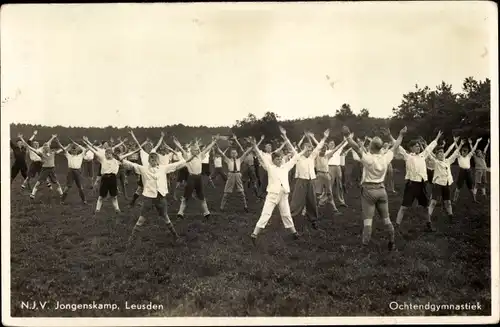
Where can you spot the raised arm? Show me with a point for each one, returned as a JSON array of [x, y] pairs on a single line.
[[30, 140], [428, 149], [456, 153], [262, 161], [208, 147], [62, 148], [339, 147], [119, 144], [311, 138], [397, 142], [78, 145], [301, 141], [473, 150], [126, 155], [245, 153], [162, 135], [20, 136], [354, 146], [450, 148], [486, 147], [282, 146], [223, 154], [131, 132], [90, 146], [237, 143], [49, 142], [179, 146], [287, 141], [321, 144]]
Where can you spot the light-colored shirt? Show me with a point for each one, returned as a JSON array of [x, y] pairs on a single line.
[[278, 176], [442, 171], [342, 160], [89, 155], [230, 164], [34, 157], [74, 161], [464, 162], [355, 156], [266, 156], [335, 159], [218, 162], [154, 179], [480, 163], [164, 159], [144, 157], [416, 169], [205, 159], [375, 166], [108, 166], [304, 168], [48, 160], [321, 164], [194, 166]]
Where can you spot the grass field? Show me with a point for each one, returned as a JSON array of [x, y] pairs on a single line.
[[62, 253]]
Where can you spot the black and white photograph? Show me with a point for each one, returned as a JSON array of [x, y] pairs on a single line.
[[271, 163]]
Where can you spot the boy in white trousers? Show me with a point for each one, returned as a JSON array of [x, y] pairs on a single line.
[[278, 188]]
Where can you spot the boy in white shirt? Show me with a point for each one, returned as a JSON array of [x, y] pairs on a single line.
[[75, 160], [234, 176], [373, 193], [194, 181], [443, 179], [155, 188], [109, 169], [464, 171], [278, 188], [416, 178], [335, 170], [48, 164], [481, 169], [218, 169], [144, 150], [304, 195]]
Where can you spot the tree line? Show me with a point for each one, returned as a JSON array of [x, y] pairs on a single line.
[[423, 110]]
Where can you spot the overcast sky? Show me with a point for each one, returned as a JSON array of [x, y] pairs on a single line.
[[211, 64]]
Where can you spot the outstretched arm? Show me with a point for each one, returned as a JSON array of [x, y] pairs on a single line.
[[223, 154], [131, 132], [20, 136], [454, 144], [473, 150], [319, 145], [486, 147], [397, 143], [162, 135]]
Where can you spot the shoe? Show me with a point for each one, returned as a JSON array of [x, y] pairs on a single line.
[[246, 209], [428, 227], [207, 215], [450, 218], [391, 246], [180, 215], [254, 239], [32, 196], [296, 236]]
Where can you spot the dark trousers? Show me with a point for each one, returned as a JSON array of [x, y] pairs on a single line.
[[74, 177], [304, 195], [19, 167]]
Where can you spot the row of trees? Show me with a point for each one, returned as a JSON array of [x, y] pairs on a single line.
[[423, 110]]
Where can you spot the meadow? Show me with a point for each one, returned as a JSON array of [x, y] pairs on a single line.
[[63, 253]]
